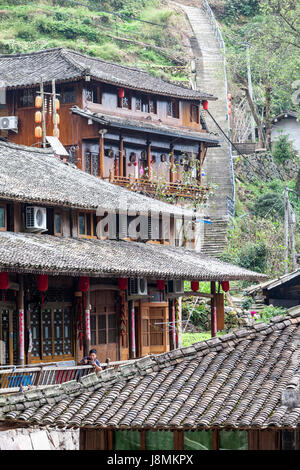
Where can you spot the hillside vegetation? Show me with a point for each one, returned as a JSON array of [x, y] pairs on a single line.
[[106, 29]]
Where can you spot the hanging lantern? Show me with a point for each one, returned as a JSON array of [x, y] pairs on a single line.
[[122, 283], [38, 117], [38, 132], [56, 134], [38, 101], [160, 284], [195, 286], [57, 104], [229, 112], [4, 282], [205, 105], [84, 283], [42, 285], [57, 119], [229, 96], [121, 92], [225, 286]]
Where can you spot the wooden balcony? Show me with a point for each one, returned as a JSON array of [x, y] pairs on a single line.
[[161, 189], [15, 378]]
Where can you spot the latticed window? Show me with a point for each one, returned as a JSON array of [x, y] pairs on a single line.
[[173, 108], [26, 98], [92, 163]]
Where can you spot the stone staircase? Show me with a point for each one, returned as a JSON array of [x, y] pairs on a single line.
[[211, 78]]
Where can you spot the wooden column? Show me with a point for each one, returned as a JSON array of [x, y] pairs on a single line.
[[101, 156], [149, 158], [132, 329], [21, 321], [201, 157], [121, 152], [213, 309], [172, 164]]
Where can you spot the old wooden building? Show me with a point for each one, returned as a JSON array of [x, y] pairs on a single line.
[[237, 392], [116, 122], [66, 286]]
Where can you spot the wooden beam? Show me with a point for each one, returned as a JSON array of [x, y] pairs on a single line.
[[101, 156], [21, 321], [213, 313], [121, 152], [172, 164], [149, 158], [197, 294]]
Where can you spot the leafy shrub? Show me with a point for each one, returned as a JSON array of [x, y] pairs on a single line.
[[269, 204], [246, 304], [270, 311], [283, 149], [253, 256]]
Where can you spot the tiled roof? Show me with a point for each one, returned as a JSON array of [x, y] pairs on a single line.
[[31, 253], [233, 381], [271, 284], [145, 125], [37, 176], [63, 64]]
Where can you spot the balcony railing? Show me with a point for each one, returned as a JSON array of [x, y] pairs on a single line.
[[156, 188], [16, 378]]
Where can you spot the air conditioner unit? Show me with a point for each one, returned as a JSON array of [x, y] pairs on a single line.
[[137, 287], [36, 219], [9, 123], [176, 286]]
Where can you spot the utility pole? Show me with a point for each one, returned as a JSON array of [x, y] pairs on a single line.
[[54, 109], [250, 90], [43, 112], [292, 221], [286, 230]]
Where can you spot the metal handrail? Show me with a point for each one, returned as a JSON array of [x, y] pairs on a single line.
[[219, 37]]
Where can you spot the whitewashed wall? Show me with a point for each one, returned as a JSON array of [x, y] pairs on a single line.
[[39, 439]]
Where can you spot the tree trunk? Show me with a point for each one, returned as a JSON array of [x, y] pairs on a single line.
[[268, 119]]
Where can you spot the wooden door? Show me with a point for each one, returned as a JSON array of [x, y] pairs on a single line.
[[104, 324], [52, 332], [154, 331]]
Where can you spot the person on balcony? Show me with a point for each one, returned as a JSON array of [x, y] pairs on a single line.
[[92, 360]]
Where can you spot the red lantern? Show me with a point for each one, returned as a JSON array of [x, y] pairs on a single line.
[[42, 281], [161, 285], [4, 281], [84, 283], [122, 283], [121, 92], [225, 286], [42, 284], [205, 105], [195, 286]]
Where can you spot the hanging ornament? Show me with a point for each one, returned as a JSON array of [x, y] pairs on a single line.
[[225, 286], [4, 283], [42, 285], [57, 104], [160, 284], [38, 132], [38, 101], [84, 283], [122, 283], [121, 92], [38, 117], [205, 105], [195, 286]]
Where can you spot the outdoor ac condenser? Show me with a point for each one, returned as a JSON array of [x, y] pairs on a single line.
[[176, 286], [36, 219], [137, 287], [9, 123]]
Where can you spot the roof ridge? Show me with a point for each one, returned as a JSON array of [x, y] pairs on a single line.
[[40, 51], [46, 151]]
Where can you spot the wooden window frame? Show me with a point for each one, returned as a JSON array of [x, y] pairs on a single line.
[[146, 99], [96, 90], [27, 91], [94, 220], [127, 95], [57, 234], [194, 110], [175, 109], [4, 206]]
